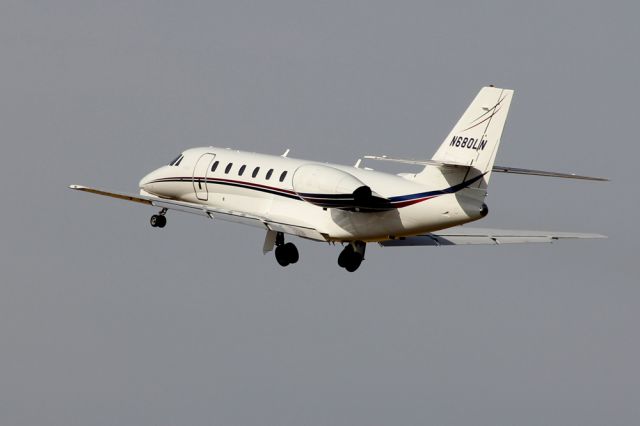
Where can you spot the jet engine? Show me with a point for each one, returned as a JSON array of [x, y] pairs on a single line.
[[329, 187]]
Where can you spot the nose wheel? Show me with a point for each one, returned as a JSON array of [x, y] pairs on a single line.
[[286, 253], [159, 220], [352, 256]]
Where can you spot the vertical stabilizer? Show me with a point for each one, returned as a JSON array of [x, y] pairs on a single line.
[[475, 139]]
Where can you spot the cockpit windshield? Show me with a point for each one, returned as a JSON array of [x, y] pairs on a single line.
[[176, 161]]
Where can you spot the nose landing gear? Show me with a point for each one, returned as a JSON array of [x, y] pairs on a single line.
[[286, 253], [352, 256], [159, 220]]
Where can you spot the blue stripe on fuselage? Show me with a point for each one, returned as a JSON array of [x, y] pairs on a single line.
[[450, 190]]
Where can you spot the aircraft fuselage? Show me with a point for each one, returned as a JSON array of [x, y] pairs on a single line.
[[263, 185]]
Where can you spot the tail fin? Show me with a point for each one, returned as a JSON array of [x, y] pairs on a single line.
[[475, 139]]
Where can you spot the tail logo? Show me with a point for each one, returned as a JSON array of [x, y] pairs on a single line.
[[469, 143], [490, 111]]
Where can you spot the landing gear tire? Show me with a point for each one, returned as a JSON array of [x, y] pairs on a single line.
[[354, 262], [345, 255], [287, 254], [281, 256], [352, 256], [158, 221], [292, 253]]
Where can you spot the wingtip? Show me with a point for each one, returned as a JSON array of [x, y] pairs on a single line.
[[76, 187], [594, 237]]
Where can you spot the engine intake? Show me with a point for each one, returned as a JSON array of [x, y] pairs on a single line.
[[329, 187]]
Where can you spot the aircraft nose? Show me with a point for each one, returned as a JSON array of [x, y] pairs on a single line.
[[145, 182], [150, 183]]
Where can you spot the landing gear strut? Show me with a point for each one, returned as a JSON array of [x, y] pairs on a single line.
[[159, 220], [352, 256], [286, 253]]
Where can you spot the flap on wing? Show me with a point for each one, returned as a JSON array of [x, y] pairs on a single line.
[[300, 231], [470, 236]]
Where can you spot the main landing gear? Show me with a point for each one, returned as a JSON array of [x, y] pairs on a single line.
[[159, 220], [286, 253], [352, 256]]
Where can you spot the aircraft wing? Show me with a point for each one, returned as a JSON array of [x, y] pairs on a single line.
[[210, 212], [464, 236]]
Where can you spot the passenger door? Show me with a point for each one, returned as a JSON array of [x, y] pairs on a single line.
[[200, 171]]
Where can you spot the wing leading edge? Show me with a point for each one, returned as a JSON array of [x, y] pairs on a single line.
[[210, 212], [474, 236]]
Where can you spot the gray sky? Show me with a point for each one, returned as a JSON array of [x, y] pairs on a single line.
[[105, 321]]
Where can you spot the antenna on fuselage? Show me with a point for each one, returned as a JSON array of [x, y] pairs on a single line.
[[286, 153]]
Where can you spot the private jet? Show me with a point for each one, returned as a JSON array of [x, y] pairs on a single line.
[[349, 205]]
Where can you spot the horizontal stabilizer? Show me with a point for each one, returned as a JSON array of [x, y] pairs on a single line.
[[496, 169], [517, 171], [413, 161], [474, 236]]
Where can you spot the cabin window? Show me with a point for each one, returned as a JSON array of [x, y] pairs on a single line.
[[269, 173], [283, 175], [215, 166], [228, 168], [255, 172], [241, 171]]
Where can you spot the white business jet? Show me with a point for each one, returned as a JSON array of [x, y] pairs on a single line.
[[349, 205]]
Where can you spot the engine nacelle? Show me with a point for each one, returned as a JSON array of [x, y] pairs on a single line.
[[329, 187]]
